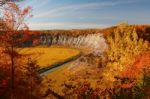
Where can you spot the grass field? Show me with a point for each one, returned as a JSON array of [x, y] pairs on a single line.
[[48, 56], [57, 78]]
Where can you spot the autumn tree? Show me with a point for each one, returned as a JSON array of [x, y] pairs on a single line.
[[2, 2], [124, 47], [19, 77]]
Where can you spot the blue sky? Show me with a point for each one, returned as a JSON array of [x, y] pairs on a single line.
[[79, 14]]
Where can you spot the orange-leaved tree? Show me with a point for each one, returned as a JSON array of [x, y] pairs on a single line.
[[19, 77]]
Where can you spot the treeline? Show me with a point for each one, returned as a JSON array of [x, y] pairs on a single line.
[[73, 32], [143, 31], [33, 37]]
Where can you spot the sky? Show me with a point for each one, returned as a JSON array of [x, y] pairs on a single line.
[[82, 14]]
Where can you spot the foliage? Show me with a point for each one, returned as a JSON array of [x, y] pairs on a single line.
[[18, 80], [124, 46], [123, 75], [125, 62], [2, 2]]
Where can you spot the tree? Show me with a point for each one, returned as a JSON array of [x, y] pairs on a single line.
[[124, 45], [13, 19], [23, 78], [2, 2], [123, 67]]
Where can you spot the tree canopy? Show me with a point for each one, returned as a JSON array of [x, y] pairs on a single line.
[[2, 2]]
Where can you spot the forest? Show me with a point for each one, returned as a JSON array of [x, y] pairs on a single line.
[[104, 63]]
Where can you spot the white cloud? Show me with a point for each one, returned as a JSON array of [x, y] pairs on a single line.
[[69, 8], [65, 10], [65, 25]]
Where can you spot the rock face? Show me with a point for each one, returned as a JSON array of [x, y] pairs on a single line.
[[95, 43]]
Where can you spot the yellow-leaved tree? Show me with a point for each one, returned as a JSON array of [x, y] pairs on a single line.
[[124, 46]]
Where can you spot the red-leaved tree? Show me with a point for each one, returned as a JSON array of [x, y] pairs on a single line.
[[18, 79]]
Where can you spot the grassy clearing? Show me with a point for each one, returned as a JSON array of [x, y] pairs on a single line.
[[48, 56]]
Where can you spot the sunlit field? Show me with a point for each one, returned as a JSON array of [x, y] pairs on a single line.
[[46, 57]]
